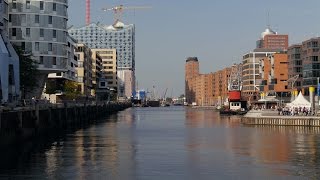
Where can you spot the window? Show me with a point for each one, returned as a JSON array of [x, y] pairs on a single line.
[[314, 58], [36, 18], [50, 47], [41, 33], [36, 46], [28, 32], [54, 7], [14, 5], [41, 5], [14, 31], [28, 3], [41, 60], [54, 33], [50, 19], [10, 17], [102, 84], [23, 45], [54, 61]]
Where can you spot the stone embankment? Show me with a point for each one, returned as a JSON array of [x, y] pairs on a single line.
[[26, 123], [272, 118]]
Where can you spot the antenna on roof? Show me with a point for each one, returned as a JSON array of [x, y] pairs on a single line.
[[268, 19]]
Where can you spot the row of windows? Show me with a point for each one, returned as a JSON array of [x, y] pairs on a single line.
[[14, 32], [98, 32], [28, 5], [36, 19], [53, 60]]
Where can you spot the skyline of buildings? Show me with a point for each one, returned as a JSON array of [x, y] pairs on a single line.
[[117, 36], [40, 27], [271, 69]]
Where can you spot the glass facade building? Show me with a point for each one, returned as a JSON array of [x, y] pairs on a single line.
[[118, 36], [311, 62]]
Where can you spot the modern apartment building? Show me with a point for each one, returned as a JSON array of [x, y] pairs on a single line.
[[109, 66], [311, 63], [96, 69], [59, 78], [252, 73], [295, 67], [117, 36], [9, 61], [274, 74], [272, 40], [40, 28], [70, 72], [84, 69]]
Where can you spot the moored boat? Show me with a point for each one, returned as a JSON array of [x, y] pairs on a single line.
[[153, 103]]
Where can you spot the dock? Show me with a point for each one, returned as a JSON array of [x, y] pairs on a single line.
[[273, 119]]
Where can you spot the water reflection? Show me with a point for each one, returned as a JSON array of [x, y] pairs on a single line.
[[175, 143]]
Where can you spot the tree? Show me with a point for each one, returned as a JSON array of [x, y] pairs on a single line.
[[51, 87], [28, 71], [70, 89]]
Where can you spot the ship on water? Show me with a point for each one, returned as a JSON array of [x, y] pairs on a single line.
[[236, 106]]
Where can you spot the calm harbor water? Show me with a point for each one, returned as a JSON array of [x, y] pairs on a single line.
[[173, 143]]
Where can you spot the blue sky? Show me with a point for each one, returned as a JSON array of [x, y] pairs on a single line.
[[217, 32]]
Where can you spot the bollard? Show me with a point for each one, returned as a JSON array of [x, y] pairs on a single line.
[[311, 90]]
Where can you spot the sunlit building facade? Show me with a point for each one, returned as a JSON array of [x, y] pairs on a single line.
[[205, 89], [84, 69], [272, 40]]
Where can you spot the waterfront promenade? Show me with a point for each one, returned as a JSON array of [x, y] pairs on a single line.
[[271, 117]]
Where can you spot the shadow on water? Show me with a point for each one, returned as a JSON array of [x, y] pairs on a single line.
[[21, 153]]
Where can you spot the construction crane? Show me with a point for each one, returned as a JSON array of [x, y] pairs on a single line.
[[88, 12], [118, 10], [293, 80]]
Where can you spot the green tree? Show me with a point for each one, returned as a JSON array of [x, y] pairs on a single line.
[[70, 89], [51, 87], [28, 71]]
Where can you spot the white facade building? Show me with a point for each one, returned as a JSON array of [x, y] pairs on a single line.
[[40, 27], [118, 36], [9, 61]]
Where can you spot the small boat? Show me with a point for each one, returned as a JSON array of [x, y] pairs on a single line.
[[165, 104]]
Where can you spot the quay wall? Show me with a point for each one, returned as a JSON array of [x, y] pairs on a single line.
[[308, 121], [24, 124]]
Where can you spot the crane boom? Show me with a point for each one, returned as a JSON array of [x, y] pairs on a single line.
[[293, 80], [118, 10]]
